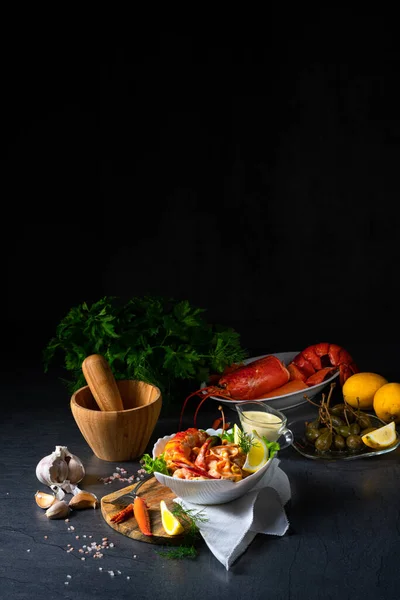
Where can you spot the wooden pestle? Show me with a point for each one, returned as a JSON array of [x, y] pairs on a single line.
[[102, 383]]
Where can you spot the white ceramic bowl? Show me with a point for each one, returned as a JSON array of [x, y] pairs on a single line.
[[202, 491], [286, 401]]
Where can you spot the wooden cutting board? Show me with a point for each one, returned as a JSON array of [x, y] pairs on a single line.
[[152, 492]]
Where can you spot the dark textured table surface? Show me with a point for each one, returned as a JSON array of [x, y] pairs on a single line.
[[343, 540]]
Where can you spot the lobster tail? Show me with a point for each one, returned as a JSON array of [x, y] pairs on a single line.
[[255, 379], [246, 382]]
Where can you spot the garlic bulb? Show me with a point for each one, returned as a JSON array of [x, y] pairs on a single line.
[[58, 510], [61, 471]]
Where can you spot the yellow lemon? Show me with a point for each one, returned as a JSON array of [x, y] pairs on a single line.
[[387, 402], [362, 387], [237, 432], [383, 437], [170, 523], [257, 456]]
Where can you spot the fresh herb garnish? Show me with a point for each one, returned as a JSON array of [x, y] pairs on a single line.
[[189, 519], [273, 447], [245, 439], [179, 552], [159, 340], [228, 436], [151, 465]]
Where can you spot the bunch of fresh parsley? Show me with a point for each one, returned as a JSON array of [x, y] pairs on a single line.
[[159, 340]]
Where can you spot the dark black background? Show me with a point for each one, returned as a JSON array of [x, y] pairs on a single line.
[[255, 176]]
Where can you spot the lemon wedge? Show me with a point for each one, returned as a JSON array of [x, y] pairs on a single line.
[[236, 434], [258, 454], [383, 437], [170, 523]]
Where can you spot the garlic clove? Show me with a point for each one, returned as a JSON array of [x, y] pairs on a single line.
[[44, 500], [58, 470], [83, 500], [76, 470], [58, 510]]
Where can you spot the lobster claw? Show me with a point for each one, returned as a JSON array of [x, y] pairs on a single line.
[[320, 376], [346, 371], [315, 363]]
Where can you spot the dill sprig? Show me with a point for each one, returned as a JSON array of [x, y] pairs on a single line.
[[190, 520], [246, 441], [190, 517], [179, 552]]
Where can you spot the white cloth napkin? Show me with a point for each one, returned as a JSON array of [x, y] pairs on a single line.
[[231, 527]]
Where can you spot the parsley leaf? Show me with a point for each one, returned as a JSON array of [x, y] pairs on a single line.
[[228, 436], [273, 447], [159, 340], [151, 465]]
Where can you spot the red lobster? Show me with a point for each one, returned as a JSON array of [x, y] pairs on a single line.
[[246, 382], [252, 381]]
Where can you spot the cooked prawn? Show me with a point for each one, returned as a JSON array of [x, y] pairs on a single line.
[[185, 473]]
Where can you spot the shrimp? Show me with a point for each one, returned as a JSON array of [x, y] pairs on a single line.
[[192, 454], [184, 473]]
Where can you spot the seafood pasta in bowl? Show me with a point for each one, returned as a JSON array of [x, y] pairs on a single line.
[[204, 469]]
